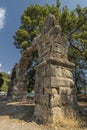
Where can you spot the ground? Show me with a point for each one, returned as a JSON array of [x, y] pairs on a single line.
[[18, 115]]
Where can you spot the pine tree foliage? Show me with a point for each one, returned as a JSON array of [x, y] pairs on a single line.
[[31, 24]]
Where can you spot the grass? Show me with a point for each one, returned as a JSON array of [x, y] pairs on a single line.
[[70, 122]]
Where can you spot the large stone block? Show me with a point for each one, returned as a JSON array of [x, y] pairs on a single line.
[[66, 73], [65, 90], [63, 72], [42, 99], [55, 91], [61, 82], [55, 101]]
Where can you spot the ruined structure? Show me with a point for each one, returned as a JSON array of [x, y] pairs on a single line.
[[18, 85], [54, 87], [54, 94], [11, 84]]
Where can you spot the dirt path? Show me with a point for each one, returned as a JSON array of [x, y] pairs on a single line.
[[17, 116], [13, 124]]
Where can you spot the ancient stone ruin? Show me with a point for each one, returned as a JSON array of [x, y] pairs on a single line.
[[18, 85], [11, 84], [54, 94], [54, 87]]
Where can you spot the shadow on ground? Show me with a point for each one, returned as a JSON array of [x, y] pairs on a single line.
[[24, 111], [17, 110]]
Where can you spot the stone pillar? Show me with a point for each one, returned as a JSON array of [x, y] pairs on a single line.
[[19, 83], [19, 92], [54, 87]]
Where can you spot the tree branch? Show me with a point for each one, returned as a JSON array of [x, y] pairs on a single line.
[[79, 25]]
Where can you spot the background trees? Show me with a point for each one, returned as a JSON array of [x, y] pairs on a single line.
[[31, 23], [73, 24], [1, 81], [4, 81]]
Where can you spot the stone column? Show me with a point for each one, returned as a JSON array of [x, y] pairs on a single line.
[[54, 87], [19, 86]]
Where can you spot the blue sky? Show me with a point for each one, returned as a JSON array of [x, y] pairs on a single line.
[[10, 13]]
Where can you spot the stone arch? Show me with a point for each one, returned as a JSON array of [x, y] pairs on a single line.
[[19, 83], [54, 94]]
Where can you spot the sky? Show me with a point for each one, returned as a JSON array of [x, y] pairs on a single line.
[[10, 13]]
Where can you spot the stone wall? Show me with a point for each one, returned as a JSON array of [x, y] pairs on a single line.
[[54, 87]]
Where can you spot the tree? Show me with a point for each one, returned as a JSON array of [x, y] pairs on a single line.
[[31, 24], [6, 79], [80, 70], [1, 81], [73, 23]]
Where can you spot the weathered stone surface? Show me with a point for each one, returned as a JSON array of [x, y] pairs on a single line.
[[61, 82], [55, 101], [47, 82], [19, 82], [55, 91], [54, 94], [66, 90], [57, 112], [39, 111], [49, 23], [61, 112], [11, 85]]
